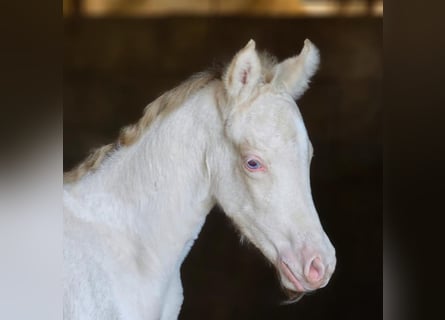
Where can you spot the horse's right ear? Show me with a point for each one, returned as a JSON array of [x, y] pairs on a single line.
[[243, 73], [293, 74]]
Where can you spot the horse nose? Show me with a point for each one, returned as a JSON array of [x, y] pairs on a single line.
[[314, 271]]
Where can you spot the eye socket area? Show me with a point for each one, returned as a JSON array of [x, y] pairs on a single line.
[[253, 164]]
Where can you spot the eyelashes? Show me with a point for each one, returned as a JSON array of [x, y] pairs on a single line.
[[254, 164]]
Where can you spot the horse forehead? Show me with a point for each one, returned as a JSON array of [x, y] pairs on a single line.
[[276, 115]]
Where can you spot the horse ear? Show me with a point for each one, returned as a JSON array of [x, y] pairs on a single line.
[[243, 73], [294, 73]]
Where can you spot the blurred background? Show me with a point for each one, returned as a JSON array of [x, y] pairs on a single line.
[[120, 55]]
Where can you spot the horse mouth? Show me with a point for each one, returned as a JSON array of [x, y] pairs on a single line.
[[291, 276]]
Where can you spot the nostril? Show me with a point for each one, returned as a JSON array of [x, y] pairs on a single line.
[[316, 270]]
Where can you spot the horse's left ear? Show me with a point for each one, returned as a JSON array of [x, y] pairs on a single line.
[[294, 73], [243, 73]]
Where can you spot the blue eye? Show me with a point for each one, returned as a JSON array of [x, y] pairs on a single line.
[[253, 165]]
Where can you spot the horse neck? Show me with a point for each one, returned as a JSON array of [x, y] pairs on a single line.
[[157, 190]]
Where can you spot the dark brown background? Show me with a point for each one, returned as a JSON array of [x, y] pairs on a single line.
[[114, 67]]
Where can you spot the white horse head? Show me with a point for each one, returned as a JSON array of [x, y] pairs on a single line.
[[262, 169]]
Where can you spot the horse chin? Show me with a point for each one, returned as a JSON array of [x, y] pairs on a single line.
[[293, 295]]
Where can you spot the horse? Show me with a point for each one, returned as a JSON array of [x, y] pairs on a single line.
[[233, 138]]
